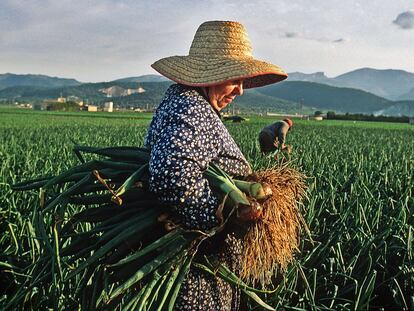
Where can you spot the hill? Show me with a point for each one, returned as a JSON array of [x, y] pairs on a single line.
[[144, 78], [254, 101], [92, 93], [12, 80], [399, 108], [150, 96], [318, 77], [325, 97], [407, 96], [388, 83], [285, 97]]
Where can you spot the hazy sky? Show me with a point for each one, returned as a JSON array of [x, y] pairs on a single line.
[[108, 39]]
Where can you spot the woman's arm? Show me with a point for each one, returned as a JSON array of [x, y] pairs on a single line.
[[181, 153], [283, 130]]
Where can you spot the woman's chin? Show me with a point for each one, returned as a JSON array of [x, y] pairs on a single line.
[[225, 103], [221, 107]]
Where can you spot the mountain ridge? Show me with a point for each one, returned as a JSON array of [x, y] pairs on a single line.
[[327, 97], [391, 84], [10, 79], [293, 96], [143, 78]]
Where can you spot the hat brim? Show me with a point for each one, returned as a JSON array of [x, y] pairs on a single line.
[[194, 71]]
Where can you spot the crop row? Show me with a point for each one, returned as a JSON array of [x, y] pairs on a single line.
[[359, 205]]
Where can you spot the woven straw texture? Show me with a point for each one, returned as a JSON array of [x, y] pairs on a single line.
[[220, 52]]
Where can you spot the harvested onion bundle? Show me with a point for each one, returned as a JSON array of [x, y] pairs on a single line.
[[272, 240]]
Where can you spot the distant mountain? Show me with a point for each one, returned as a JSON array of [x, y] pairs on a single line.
[[254, 101], [388, 83], [11, 80], [284, 97], [325, 97], [407, 96], [144, 95], [399, 108], [21, 91], [318, 77], [92, 93], [144, 78]]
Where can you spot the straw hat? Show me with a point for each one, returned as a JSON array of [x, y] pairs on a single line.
[[220, 52]]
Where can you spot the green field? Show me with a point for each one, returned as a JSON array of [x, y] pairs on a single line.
[[359, 208]]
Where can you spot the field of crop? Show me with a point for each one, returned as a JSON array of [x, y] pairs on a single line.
[[359, 208]]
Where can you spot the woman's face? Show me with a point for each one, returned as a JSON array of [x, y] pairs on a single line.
[[223, 94]]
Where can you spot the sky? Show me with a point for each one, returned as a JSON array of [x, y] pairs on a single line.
[[104, 40]]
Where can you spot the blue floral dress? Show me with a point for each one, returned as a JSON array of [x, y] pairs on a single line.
[[185, 136]]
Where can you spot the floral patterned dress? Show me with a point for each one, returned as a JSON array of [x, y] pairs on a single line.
[[185, 136]]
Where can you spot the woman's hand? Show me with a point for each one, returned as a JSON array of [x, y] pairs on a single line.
[[287, 148]]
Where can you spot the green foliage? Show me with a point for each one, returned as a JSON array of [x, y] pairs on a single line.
[[56, 106], [366, 117], [359, 206], [330, 114]]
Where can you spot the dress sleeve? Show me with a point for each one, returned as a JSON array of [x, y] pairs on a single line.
[[178, 158]]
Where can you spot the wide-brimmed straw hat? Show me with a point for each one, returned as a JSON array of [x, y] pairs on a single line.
[[220, 52]]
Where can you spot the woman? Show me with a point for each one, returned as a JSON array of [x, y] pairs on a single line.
[[186, 135]]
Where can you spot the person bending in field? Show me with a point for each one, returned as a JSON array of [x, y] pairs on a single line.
[[273, 136]]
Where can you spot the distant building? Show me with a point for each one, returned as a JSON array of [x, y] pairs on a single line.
[[25, 105], [92, 108], [317, 118], [61, 99], [109, 107]]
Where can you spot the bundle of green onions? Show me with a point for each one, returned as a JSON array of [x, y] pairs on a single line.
[[108, 243]]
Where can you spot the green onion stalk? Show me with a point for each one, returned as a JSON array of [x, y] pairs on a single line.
[[92, 223]]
